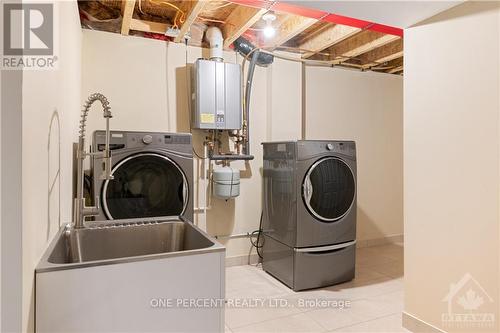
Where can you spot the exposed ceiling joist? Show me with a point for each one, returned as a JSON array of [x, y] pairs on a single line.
[[196, 8], [337, 41], [127, 12], [395, 70], [391, 67], [148, 26], [361, 43], [326, 38], [388, 52], [239, 21], [291, 27]]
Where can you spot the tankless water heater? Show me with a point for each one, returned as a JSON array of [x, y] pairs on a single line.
[[216, 95]]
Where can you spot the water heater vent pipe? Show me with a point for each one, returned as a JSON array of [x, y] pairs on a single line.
[[213, 35]]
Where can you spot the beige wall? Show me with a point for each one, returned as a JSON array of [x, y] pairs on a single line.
[[451, 161], [366, 108], [45, 94], [144, 80], [147, 91]]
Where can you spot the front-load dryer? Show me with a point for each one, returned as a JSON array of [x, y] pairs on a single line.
[[309, 212], [152, 175]]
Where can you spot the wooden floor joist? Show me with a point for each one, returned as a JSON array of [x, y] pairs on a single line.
[[291, 27], [147, 26], [196, 8], [388, 52], [326, 38], [390, 67], [239, 21], [361, 43], [127, 12], [315, 38], [395, 70]]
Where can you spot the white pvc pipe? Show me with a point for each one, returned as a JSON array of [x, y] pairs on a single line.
[[213, 35]]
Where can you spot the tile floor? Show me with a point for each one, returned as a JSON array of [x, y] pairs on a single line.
[[375, 296]]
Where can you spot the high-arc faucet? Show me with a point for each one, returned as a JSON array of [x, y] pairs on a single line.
[[80, 210]]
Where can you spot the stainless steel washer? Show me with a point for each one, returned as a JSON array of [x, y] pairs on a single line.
[[309, 212], [153, 175]]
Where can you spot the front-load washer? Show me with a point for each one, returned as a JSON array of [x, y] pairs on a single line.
[[152, 175], [309, 212]]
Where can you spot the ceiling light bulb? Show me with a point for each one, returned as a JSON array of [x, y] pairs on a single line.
[[269, 31]]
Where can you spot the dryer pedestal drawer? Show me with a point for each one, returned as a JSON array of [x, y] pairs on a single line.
[[313, 269], [301, 268]]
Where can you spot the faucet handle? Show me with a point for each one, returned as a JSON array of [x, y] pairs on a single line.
[[91, 210], [107, 174]]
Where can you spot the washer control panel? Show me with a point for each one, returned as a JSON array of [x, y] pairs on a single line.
[[147, 139], [129, 140]]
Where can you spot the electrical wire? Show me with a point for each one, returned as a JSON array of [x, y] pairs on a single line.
[[180, 15], [221, 6], [257, 244], [201, 18]]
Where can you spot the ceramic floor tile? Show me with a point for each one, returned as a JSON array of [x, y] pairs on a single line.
[[388, 324], [331, 319], [253, 284], [237, 277], [364, 274], [373, 308], [392, 300], [375, 295], [296, 323], [391, 251], [271, 279], [355, 290], [393, 269], [359, 311], [370, 259], [238, 317]]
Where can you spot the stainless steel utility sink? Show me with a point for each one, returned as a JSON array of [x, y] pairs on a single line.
[[117, 276], [135, 239]]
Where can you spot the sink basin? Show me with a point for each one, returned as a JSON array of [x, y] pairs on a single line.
[[119, 277], [121, 240]]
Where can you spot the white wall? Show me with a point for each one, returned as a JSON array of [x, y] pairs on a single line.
[[366, 108], [45, 94], [145, 83], [451, 163]]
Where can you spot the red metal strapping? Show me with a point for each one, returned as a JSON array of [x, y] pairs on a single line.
[[320, 15]]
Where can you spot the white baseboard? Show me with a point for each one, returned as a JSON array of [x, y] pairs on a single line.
[[392, 239], [416, 325], [251, 259]]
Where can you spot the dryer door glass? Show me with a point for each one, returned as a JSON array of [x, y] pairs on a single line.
[[145, 185], [329, 189]]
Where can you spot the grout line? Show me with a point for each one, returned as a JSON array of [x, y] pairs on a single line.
[[365, 321], [266, 320]]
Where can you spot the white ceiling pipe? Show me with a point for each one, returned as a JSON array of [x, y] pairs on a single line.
[[213, 35]]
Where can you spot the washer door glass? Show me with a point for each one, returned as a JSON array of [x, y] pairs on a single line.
[[145, 185], [329, 189]]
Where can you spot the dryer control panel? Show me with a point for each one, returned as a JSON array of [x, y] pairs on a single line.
[[312, 147]]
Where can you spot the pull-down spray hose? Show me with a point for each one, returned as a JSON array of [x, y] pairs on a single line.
[[86, 107], [245, 48]]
